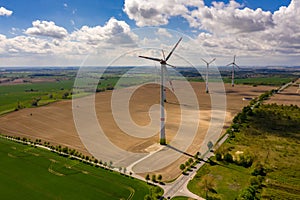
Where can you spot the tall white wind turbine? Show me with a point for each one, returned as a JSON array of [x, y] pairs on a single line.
[[206, 78], [164, 64], [233, 64]]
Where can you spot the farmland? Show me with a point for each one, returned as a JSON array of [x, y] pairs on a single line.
[[22, 95], [54, 123], [38, 87], [30, 122], [33, 173]]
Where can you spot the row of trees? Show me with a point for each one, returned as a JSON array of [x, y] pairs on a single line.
[[68, 152], [154, 178]]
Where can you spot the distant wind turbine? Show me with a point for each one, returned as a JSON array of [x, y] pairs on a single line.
[[164, 64], [206, 79], [233, 64]]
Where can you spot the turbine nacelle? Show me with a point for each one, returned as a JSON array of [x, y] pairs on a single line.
[[206, 79], [208, 63], [233, 64], [165, 59]]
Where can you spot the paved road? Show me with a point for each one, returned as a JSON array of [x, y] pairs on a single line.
[[179, 187], [285, 86]]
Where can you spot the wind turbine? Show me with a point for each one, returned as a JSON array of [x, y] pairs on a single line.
[[206, 79], [233, 64], [164, 64]]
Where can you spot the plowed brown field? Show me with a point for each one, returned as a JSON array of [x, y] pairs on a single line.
[[54, 123]]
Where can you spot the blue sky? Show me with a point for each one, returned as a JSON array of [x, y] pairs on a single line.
[[92, 13], [206, 21]]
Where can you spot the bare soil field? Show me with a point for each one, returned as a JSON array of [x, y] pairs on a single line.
[[16, 81], [290, 95], [54, 123]]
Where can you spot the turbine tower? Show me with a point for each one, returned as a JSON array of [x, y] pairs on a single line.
[[233, 64], [164, 64], [206, 79]]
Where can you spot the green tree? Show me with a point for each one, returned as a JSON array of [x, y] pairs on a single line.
[[259, 170], [159, 178], [65, 95], [182, 167], [147, 197], [228, 157], [247, 194], [35, 101], [218, 156], [147, 178], [153, 178], [187, 163]]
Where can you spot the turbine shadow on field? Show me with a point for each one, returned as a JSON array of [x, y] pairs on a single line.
[[178, 150]]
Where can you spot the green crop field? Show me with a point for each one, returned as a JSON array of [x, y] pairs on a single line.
[[260, 160], [273, 81], [27, 172], [22, 95]]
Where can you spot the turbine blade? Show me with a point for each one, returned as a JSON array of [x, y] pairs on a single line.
[[173, 49], [212, 61], [163, 53], [204, 61], [170, 65], [168, 77], [237, 66], [234, 59], [230, 64], [150, 58]]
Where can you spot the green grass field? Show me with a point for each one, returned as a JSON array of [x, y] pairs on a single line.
[[33, 173], [255, 81], [272, 81], [269, 136], [23, 94]]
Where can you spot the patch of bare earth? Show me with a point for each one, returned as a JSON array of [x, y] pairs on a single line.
[[54, 123]]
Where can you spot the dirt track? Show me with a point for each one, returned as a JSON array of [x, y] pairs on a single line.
[[54, 123], [290, 95]]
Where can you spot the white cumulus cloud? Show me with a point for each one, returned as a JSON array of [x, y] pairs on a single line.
[[46, 28], [154, 13], [229, 18], [5, 12], [113, 32]]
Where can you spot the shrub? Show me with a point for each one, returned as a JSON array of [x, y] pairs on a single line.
[[218, 156], [259, 170], [228, 157], [153, 178], [247, 194], [256, 181], [182, 167]]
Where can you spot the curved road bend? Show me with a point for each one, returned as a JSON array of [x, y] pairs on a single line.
[[179, 186]]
